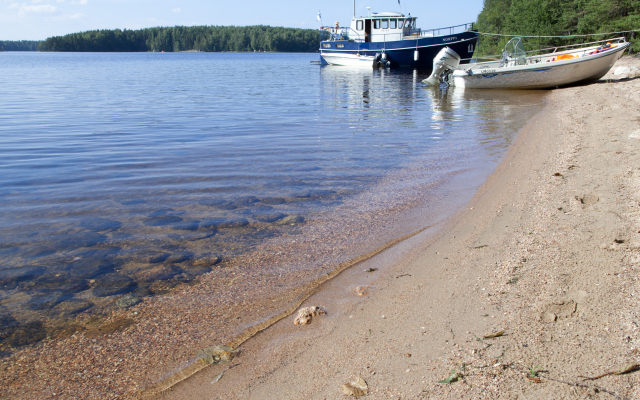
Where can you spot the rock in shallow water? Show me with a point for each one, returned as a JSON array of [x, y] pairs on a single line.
[[25, 334], [91, 268], [22, 274], [60, 283], [159, 273], [100, 224], [109, 285], [162, 220], [186, 226], [70, 307], [180, 257], [270, 217], [127, 301], [290, 220]]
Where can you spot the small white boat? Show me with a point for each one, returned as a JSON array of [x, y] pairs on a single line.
[[517, 70], [346, 59]]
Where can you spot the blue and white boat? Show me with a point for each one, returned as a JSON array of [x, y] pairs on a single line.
[[391, 39]]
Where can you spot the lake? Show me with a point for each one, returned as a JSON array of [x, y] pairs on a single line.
[[125, 177]]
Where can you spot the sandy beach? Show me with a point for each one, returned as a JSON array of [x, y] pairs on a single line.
[[531, 292], [526, 293]]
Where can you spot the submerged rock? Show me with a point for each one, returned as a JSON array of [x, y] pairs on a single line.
[[43, 302], [151, 256], [290, 220], [162, 220], [211, 224], [274, 200], [91, 268], [18, 275], [100, 224], [61, 283], [163, 287], [70, 307], [234, 223], [127, 301], [186, 226], [162, 212], [270, 217], [78, 240], [245, 201], [159, 273], [28, 333], [180, 257], [109, 285], [38, 251]]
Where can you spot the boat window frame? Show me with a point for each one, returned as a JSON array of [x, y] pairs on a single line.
[[360, 25], [385, 24], [326, 45], [339, 45], [393, 23], [401, 23], [376, 24]]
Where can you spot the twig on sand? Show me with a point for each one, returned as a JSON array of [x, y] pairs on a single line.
[[626, 370], [575, 384], [582, 385]]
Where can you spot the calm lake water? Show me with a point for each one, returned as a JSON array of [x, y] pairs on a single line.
[[128, 174]]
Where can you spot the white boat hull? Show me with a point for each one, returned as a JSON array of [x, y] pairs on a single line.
[[540, 75], [346, 59]]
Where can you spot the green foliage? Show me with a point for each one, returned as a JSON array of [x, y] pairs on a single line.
[[19, 45], [556, 18], [182, 38]]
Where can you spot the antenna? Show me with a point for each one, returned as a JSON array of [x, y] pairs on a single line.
[[354, 9], [369, 10]]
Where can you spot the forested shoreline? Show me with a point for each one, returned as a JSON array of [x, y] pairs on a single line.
[[183, 38], [19, 45], [556, 18]]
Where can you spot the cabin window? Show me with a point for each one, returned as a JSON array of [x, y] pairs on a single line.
[[326, 45], [340, 45], [385, 24], [359, 25], [376, 24], [400, 23], [393, 23]]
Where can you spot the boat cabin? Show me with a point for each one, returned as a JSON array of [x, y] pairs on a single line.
[[382, 27]]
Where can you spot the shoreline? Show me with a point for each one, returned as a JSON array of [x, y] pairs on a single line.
[[547, 251]]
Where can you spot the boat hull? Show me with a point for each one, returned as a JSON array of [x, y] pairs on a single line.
[[351, 60], [543, 75], [400, 53]]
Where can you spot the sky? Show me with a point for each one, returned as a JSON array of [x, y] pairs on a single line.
[[39, 19]]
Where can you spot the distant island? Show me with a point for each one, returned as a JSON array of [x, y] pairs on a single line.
[[188, 38], [19, 45]]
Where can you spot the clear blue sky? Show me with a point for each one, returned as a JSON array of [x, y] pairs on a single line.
[[39, 19]]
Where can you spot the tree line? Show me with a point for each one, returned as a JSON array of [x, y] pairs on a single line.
[[192, 38], [556, 18], [19, 45]]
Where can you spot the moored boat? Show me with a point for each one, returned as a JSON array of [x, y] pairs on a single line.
[[517, 69], [392, 39]]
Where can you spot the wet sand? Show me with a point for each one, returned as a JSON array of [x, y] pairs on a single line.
[[545, 257]]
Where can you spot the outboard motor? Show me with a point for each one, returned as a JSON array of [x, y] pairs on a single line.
[[446, 61]]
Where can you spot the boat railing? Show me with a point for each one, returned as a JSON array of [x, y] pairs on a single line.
[[347, 33], [449, 30]]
